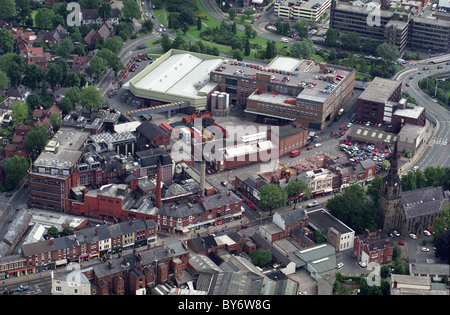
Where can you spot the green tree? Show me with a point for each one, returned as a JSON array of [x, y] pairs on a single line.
[[272, 197], [232, 14], [66, 106], [354, 209], [19, 111], [271, 50], [65, 48], [147, 26], [166, 42], [131, 10], [12, 65], [4, 80], [6, 41], [44, 18], [374, 189], [37, 138], [72, 79], [261, 257], [247, 48], [53, 231], [303, 49], [97, 65], [332, 37], [114, 44], [15, 168], [92, 98], [296, 188], [34, 101], [105, 11], [389, 53], [73, 94], [351, 41], [199, 24], [7, 9], [55, 120], [302, 28], [33, 75], [54, 75]]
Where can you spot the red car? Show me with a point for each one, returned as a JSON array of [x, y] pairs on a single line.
[[407, 83], [401, 243], [346, 128], [244, 226], [125, 75], [341, 127], [333, 134], [342, 133], [309, 148]]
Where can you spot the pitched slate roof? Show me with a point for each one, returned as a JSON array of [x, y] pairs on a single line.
[[423, 201]]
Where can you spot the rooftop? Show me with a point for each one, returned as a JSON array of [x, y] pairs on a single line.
[[380, 90]]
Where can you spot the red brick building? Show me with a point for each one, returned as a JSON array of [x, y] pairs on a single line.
[[378, 101], [289, 137], [373, 248]]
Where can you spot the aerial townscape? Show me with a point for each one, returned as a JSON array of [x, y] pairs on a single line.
[[213, 148]]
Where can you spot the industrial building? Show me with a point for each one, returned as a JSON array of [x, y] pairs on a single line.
[[297, 9], [175, 76]]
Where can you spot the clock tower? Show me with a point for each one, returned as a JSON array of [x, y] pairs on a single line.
[[389, 215]]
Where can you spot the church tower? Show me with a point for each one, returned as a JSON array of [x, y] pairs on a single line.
[[389, 215]]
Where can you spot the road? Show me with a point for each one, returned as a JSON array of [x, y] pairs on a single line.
[[436, 152]]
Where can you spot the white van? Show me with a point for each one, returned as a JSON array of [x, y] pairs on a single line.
[[317, 145], [285, 40]]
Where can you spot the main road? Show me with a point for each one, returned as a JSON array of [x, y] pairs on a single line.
[[436, 152]]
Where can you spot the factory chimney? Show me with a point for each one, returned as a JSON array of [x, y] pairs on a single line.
[[202, 177], [158, 186]]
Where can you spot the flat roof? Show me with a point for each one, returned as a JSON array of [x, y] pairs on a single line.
[[321, 218], [411, 112], [372, 135], [301, 73], [380, 90], [184, 74]]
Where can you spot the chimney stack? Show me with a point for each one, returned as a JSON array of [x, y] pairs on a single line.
[[202, 177], [158, 186]]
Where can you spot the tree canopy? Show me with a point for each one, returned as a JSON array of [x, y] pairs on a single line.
[[15, 168], [272, 197]]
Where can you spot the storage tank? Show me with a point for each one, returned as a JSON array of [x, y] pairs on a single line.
[[221, 101], [214, 99], [226, 100]]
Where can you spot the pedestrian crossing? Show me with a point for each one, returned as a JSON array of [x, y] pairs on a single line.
[[439, 142]]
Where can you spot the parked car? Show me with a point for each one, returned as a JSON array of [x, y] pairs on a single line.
[[401, 243], [426, 233], [309, 148], [224, 184], [21, 288], [8, 194], [244, 226], [413, 236], [424, 249], [312, 204], [362, 264], [340, 265], [396, 233]]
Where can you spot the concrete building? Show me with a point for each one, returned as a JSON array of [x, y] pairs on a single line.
[[74, 283], [295, 9], [404, 28], [339, 235], [410, 138]]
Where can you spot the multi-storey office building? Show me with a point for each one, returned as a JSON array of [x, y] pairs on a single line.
[[296, 9], [287, 90], [402, 29]]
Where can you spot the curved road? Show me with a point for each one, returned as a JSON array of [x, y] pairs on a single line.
[[436, 152]]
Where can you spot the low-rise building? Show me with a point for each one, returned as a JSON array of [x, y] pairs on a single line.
[[373, 248]]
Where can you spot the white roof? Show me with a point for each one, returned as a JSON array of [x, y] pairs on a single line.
[[129, 126], [183, 74]]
